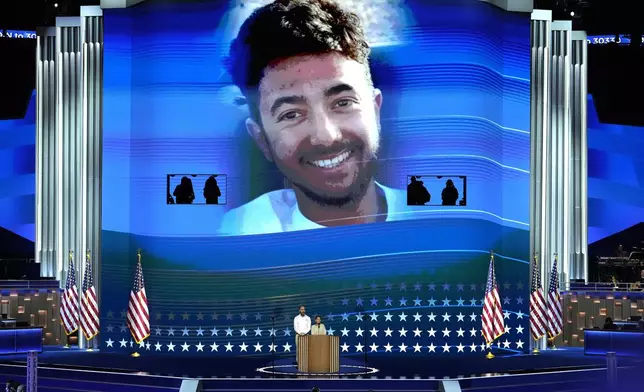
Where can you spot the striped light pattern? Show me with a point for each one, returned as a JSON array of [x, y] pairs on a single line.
[[555, 312], [69, 299], [138, 317], [89, 303], [537, 304], [492, 318]]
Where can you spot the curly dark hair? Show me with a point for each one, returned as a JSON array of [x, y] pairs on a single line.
[[288, 28]]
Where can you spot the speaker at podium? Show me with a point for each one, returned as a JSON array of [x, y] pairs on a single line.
[[318, 354]]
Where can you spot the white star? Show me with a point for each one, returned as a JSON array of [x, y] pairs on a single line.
[[359, 348], [473, 348], [200, 332], [345, 331], [374, 347], [141, 344], [460, 333], [170, 331], [229, 332], [359, 332], [374, 332], [243, 331], [229, 347], [109, 342], [402, 332], [214, 347], [417, 347], [388, 332], [446, 302], [359, 317], [432, 348], [506, 344], [345, 347], [417, 332], [520, 315], [446, 348], [243, 347], [403, 301], [473, 302], [431, 332], [507, 329], [403, 317], [432, 301], [403, 348], [460, 348], [446, 332], [473, 316], [374, 317], [519, 344], [258, 347], [123, 342], [147, 346], [287, 347], [272, 332], [519, 329], [200, 346], [460, 301], [186, 332], [287, 332], [388, 347], [157, 346], [388, 316], [417, 302], [330, 331], [214, 332], [432, 317], [473, 332], [506, 300], [506, 315], [157, 330], [417, 317], [446, 317], [460, 316], [272, 347], [170, 346], [258, 332], [185, 347]]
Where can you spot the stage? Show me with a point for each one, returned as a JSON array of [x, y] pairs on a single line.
[[564, 369]]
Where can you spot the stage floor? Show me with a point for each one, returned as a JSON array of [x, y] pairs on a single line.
[[397, 366]]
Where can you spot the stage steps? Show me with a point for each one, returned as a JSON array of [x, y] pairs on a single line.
[[56, 380]]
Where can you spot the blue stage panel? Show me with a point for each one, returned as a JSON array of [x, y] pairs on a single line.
[[20, 340], [622, 343], [455, 89]]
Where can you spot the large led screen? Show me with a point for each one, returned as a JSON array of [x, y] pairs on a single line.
[[316, 117]]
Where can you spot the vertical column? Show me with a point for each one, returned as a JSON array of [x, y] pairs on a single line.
[[46, 212], [32, 371], [560, 123], [91, 139], [540, 139], [579, 102]]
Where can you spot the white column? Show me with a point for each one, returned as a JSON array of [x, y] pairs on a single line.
[[91, 139], [540, 142], [46, 205], [579, 157]]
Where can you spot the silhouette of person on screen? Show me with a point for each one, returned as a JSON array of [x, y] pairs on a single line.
[[449, 194], [184, 192], [304, 71], [211, 191], [417, 194]]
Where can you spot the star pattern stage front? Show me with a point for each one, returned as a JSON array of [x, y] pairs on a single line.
[[430, 319]]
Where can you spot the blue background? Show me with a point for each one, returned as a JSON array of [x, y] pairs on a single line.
[[457, 91], [18, 173]]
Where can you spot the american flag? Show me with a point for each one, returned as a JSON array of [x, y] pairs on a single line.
[[537, 303], [493, 325], [555, 312], [89, 303], [138, 317], [69, 300]]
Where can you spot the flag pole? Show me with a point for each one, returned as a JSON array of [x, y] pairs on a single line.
[[88, 260], [489, 345], [135, 354], [71, 257], [554, 347], [536, 265]]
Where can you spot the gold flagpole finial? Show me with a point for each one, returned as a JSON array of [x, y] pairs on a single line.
[[88, 254], [138, 254], [555, 255], [71, 254], [492, 253]]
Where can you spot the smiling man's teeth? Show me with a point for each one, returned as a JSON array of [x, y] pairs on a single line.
[[331, 163]]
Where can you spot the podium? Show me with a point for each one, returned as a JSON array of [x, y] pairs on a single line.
[[318, 354]]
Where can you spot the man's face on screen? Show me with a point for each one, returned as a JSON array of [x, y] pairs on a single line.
[[321, 126]]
